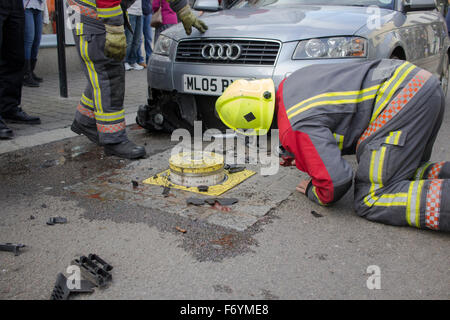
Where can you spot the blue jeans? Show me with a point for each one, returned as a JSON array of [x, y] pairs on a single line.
[[147, 30], [133, 39], [33, 33]]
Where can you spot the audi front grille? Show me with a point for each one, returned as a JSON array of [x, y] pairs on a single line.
[[228, 51]]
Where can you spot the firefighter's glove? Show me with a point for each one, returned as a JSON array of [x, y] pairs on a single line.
[[116, 42], [189, 20]]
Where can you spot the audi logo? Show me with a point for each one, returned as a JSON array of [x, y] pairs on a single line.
[[221, 51]]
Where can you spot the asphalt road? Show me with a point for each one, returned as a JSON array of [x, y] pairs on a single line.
[[288, 254]]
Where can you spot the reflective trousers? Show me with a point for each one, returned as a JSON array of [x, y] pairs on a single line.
[[101, 104], [395, 183]]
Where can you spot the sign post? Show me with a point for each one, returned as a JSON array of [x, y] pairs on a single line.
[[60, 36]]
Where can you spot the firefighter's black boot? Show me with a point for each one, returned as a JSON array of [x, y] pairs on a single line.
[[28, 80], [90, 132], [125, 149], [20, 116], [33, 65], [5, 132]]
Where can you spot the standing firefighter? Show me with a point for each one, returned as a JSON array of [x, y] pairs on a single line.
[[388, 112], [100, 38]]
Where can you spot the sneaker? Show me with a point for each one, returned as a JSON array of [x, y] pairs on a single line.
[[128, 67], [136, 66], [143, 64]]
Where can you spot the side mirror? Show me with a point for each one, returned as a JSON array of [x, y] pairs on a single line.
[[207, 5], [419, 5]]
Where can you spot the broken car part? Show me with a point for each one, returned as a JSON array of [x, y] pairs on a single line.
[[316, 215], [222, 201], [166, 192], [94, 269], [232, 168], [11, 247], [195, 201], [55, 220], [212, 201], [62, 292]]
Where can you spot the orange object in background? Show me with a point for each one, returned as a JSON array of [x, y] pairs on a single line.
[[51, 13]]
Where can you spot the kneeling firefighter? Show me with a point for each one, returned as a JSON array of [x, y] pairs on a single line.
[[101, 43], [387, 112]]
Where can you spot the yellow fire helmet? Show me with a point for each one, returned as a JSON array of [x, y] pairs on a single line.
[[248, 104]]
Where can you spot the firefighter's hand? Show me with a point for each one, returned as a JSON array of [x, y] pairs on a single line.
[[189, 20], [302, 186], [287, 161], [116, 42]]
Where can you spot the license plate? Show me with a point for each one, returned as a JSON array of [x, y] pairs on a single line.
[[214, 86]]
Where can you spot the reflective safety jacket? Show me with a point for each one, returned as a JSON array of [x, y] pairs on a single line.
[[90, 16], [326, 111]]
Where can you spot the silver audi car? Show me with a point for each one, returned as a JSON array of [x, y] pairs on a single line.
[[272, 39]]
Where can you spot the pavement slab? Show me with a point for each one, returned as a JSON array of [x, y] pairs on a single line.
[[257, 195]]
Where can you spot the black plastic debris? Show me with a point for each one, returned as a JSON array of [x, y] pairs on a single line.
[[49, 163], [55, 220], [134, 183], [232, 168], [236, 170], [12, 247], [203, 188], [94, 269], [222, 201], [62, 292], [166, 192], [212, 201], [316, 215], [195, 201]]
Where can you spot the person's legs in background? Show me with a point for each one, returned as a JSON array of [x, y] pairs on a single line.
[[130, 56], [12, 57], [133, 42], [30, 34], [38, 16], [147, 30], [139, 58]]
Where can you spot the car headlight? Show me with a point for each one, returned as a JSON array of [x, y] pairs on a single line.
[[329, 48], [162, 45]]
